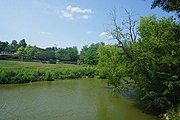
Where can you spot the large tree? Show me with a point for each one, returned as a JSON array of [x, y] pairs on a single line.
[[67, 54], [60, 54], [152, 63], [14, 43], [22, 43], [89, 54], [21, 53], [158, 51], [47, 54], [112, 65], [4, 46], [13, 46], [151, 60]]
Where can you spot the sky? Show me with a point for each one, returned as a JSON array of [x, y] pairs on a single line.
[[65, 23]]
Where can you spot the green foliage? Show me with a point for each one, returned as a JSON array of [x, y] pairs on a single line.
[[22, 43], [3, 46], [112, 65], [13, 46], [21, 52], [89, 54], [152, 64], [158, 52], [47, 55], [24, 72], [67, 54], [106, 62], [9, 48], [168, 5], [174, 113], [15, 76], [49, 76], [89, 72], [29, 52]]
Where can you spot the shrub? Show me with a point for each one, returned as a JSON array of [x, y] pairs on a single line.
[[49, 76], [11, 72], [173, 114], [39, 75]]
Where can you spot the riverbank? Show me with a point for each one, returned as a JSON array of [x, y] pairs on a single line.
[[13, 72]]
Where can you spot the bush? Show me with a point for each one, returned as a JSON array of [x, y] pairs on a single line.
[[39, 75], [49, 76], [14, 75], [173, 114], [89, 72]]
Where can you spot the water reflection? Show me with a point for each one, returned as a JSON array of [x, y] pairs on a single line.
[[66, 100]]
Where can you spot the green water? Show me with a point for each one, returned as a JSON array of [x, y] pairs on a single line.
[[88, 99]]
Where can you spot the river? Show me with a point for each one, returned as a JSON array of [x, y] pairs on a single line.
[[88, 99]]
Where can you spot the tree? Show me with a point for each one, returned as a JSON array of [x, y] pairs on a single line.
[[168, 5], [48, 54], [4, 46], [28, 52], [13, 46], [14, 43], [158, 51], [112, 65], [21, 53], [152, 61], [60, 54], [126, 38], [67, 54], [72, 53], [83, 52], [22, 43], [35, 52], [89, 54]]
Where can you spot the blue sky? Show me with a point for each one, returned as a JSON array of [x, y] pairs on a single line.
[[64, 22]]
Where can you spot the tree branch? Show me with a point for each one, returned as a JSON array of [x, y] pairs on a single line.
[[118, 35]]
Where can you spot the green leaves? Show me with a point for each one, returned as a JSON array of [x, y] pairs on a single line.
[[67, 54], [89, 54], [154, 69], [158, 54], [167, 5], [112, 65]]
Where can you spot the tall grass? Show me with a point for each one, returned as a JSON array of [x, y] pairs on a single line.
[[24, 72]]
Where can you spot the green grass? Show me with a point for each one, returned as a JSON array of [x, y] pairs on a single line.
[[23, 72], [34, 65]]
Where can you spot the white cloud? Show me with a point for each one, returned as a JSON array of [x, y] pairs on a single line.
[[67, 15], [71, 12], [106, 35], [77, 10]]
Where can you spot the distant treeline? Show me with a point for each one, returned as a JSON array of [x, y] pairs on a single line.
[[24, 52]]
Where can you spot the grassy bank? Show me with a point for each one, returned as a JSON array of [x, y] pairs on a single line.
[[23, 72]]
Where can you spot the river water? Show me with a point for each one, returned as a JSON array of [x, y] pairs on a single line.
[[88, 99]]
